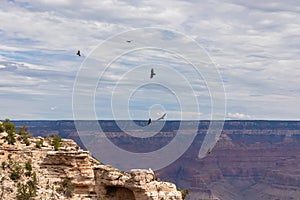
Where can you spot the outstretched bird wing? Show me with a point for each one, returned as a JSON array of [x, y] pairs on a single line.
[[208, 151], [152, 73], [162, 117], [149, 121]]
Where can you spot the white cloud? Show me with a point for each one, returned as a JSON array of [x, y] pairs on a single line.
[[53, 108], [254, 43], [238, 116]]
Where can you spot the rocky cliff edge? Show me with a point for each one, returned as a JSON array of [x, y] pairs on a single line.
[[36, 168]]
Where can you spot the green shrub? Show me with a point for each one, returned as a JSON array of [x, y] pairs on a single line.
[[11, 138], [48, 185], [23, 130], [28, 167], [184, 192], [23, 192], [34, 181], [28, 173], [24, 135], [1, 128], [4, 165], [9, 126], [39, 144], [66, 188], [26, 191], [56, 142], [16, 170], [26, 141]]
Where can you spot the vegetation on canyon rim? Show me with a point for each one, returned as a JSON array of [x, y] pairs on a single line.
[[24, 176], [23, 135]]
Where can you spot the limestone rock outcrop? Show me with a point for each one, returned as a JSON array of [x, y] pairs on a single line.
[[138, 184], [71, 173]]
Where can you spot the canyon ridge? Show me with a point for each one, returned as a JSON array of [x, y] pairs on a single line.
[[54, 168], [254, 159]]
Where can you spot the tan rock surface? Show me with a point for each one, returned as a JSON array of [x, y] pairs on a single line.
[[89, 178]]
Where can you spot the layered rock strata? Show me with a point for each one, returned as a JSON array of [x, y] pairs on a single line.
[[72, 173]]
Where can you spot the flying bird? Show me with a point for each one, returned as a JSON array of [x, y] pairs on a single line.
[[208, 151], [149, 121], [128, 41], [78, 53], [162, 117], [152, 73]]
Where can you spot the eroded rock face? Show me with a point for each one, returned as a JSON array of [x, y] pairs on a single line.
[[241, 166], [71, 173], [138, 183]]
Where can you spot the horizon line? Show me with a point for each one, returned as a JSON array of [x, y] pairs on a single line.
[[170, 120]]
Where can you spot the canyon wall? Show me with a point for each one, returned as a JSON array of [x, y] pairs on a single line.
[[38, 169]]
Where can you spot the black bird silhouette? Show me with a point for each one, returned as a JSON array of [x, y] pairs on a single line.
[[129, 41], [152, 73], [162, 117], [78, 53], [208, 151], [149, 121]]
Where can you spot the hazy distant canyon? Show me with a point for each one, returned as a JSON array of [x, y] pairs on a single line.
[[252, 160]]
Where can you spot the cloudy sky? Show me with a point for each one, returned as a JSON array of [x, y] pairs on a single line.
[[254, 45]]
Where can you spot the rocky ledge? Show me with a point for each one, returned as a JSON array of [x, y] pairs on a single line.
[[55, 168]]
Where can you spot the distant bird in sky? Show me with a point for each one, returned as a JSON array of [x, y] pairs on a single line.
[[149, 121], [162, 117], [208, 151], [53, 108], [128, 41], [152, 73], [78, 53]]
